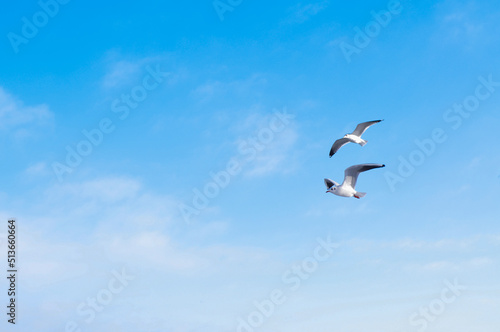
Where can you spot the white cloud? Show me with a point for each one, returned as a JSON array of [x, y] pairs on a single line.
[[448, 266], [421, 246], [16, 116], [121, 72], [459, 256], [152, 249], [37, 169], [275, 155], [108, 190], [300, 13], [157, 251], [209, 90], [126, 224], [462, 23], [77, 233], [107, 203], [45, 263]]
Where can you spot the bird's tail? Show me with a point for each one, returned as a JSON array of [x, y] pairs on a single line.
[[363, 143], [359, 195]]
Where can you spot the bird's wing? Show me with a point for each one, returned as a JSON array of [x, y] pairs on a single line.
[[351, 173], [361, 128], [330, 183], [337, 145]]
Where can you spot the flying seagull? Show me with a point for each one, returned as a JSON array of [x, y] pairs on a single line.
[[354, 137], [351, 176]]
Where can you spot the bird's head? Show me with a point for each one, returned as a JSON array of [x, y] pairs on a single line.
[[332, 189]]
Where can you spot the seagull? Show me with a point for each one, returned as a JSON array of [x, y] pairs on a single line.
[[351, 176], [354, 137]]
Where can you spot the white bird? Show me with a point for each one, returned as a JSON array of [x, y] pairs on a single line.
[[354, 137], [347, 189]]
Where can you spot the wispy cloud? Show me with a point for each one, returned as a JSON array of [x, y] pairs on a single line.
[[460, 25], [49, 262], [122, 224], [107, 202], [107, 190], [217, 88], [448, 266], [458, 256], [275, 156], [19, 118], [301, 13], [463, 23], [37, 169], [417, 245], [152, 249], [122, 70]]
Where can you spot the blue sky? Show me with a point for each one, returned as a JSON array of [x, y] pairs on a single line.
[[206, 91]]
